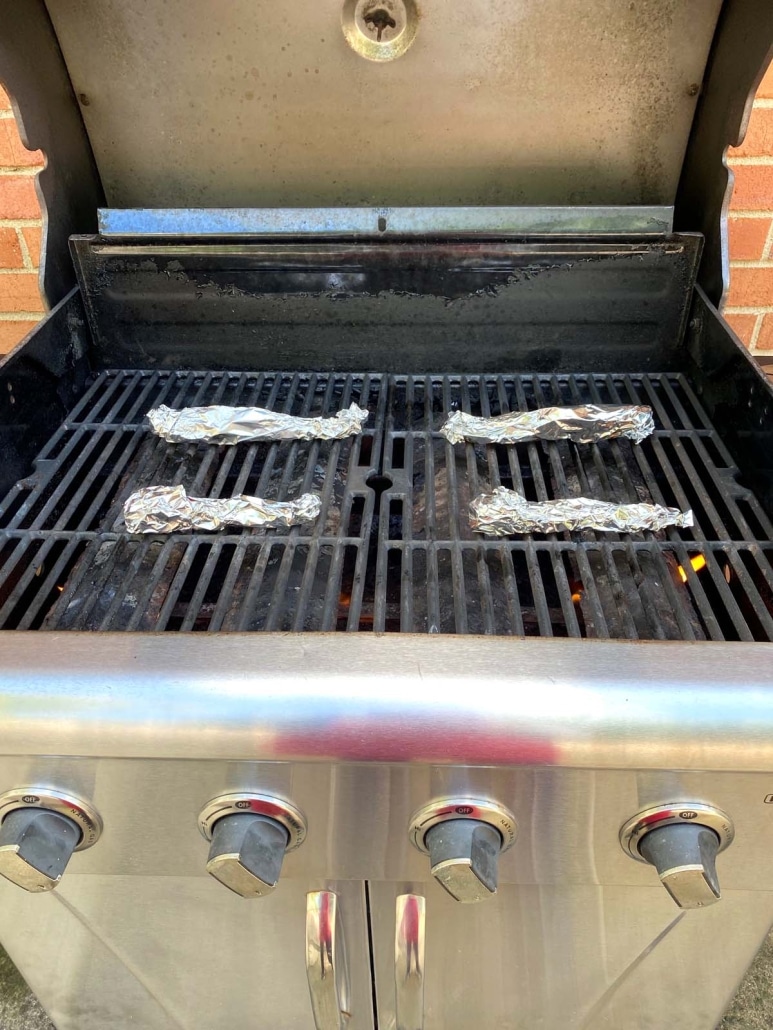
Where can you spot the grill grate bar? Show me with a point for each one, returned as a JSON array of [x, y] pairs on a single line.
[[707, 611], [26, 577], [392, 549], [35, 611]]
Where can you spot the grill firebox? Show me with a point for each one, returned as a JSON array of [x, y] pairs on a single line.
[[392, 549]]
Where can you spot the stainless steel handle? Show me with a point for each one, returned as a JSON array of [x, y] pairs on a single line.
[[326, 962], [409, 961]]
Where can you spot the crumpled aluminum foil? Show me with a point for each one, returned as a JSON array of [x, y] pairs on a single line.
[[506, 511], [168, 509], [587, 423], [219, 424]]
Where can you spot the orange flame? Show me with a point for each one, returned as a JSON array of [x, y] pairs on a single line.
[[698, 563]]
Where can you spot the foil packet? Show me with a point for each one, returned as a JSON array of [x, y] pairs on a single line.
[[506, 511], [168, 509], [219, 424], [587, 423]]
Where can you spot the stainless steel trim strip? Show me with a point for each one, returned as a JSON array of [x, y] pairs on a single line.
[[410, 915], [384, 220], [326, 962], [493, 701]]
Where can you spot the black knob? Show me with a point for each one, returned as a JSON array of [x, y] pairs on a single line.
[[464, 854], [246, 853], [684, 855], [35, 847]]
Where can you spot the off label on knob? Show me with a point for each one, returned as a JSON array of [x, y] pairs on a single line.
[[464, 809], [688, 815], [30, 799]]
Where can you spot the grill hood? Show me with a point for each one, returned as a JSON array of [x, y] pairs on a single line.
[[264, 104], [501, 102]]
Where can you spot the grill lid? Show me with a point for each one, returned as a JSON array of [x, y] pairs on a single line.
[[504, 102], [508, 103]]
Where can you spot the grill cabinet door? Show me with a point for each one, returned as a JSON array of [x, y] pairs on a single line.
[[167, 953], [578, 956]]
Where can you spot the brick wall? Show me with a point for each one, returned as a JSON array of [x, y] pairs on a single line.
[[749, 303], [20, 230]]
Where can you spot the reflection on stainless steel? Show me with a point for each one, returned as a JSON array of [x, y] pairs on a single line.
[[326, 962], [506, 511], [492, 701], [168, 509], [584, 424], [219, 424], [409, 961]]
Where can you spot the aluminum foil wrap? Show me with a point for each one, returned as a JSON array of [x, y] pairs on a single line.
[[584, 424], [219, 424], [506, 511], [168, 509]]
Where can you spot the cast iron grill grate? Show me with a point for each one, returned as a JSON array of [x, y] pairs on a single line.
[[392, 549]]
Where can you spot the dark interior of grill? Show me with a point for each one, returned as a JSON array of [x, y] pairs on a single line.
[[392, 550]]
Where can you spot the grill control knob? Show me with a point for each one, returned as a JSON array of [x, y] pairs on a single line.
[[682, 842], [246, 853], [464, 858], [463, 838], [35, 847], [40, 828], [250, 834], [684, 856]]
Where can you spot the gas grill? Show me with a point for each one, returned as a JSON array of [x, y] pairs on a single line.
[[376, 725]]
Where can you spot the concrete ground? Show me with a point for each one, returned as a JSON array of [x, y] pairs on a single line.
[[19, 1009], [752, 1008]]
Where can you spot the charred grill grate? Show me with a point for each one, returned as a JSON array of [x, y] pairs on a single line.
[[392, 550]]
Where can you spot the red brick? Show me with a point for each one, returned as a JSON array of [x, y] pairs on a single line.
[[13, 153], [10, 251], [5, 103], [758, 141], [17, 197], [750, 287], [742, 325], [766, 86], [12, 332], [753, 189], [747, 238], [20, 292], [32, 237], [765, 339]]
